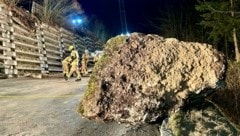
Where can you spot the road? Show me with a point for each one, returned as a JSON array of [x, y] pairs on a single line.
[[47, 107]]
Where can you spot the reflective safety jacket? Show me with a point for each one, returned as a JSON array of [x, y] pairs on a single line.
[[75, 57], [84, 58]]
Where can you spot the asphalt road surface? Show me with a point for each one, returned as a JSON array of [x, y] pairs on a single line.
[[47, 107]]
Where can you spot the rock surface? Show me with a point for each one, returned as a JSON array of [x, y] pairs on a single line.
[[205, 120], [143, 78]]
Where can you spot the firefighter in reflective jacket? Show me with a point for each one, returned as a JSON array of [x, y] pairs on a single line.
[[96, 58], [84, 63], [71, 62]]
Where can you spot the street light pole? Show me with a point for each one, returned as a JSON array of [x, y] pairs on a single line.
[[76, 22]]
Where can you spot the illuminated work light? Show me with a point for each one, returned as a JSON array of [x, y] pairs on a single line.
[[77, 21]]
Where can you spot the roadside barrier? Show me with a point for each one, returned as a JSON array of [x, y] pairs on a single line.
[[39, 50]]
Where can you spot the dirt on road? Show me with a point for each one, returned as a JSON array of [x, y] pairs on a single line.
[[47, 107]]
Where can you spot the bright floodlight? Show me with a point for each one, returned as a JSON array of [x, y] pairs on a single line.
[[74, 21], [79, 21], [128, 34]]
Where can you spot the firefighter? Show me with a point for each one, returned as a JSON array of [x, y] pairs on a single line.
[[71, 62], [96, 58], [84, 63]]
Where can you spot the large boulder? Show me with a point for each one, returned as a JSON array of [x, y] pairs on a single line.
[[142, 78]]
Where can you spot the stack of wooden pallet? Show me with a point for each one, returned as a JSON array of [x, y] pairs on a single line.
[[7, 55]]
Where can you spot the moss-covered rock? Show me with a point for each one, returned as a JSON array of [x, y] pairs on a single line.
[[142, 78], [201, 121], [111, 46], [114, 44]]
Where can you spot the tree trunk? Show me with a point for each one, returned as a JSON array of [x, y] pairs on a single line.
[[235, 44], [235, 35], [226, 46]]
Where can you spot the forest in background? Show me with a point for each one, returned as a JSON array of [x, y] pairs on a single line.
[[216, 22]]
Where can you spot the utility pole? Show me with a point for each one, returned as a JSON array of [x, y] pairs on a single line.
[[77, 22], [122, 14]]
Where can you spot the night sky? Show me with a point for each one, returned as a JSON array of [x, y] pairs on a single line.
[[138, 13]]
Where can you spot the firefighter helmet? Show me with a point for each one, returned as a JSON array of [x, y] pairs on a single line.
[[71, 47]]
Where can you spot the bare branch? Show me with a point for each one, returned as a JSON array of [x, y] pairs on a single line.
[[11, 3]]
